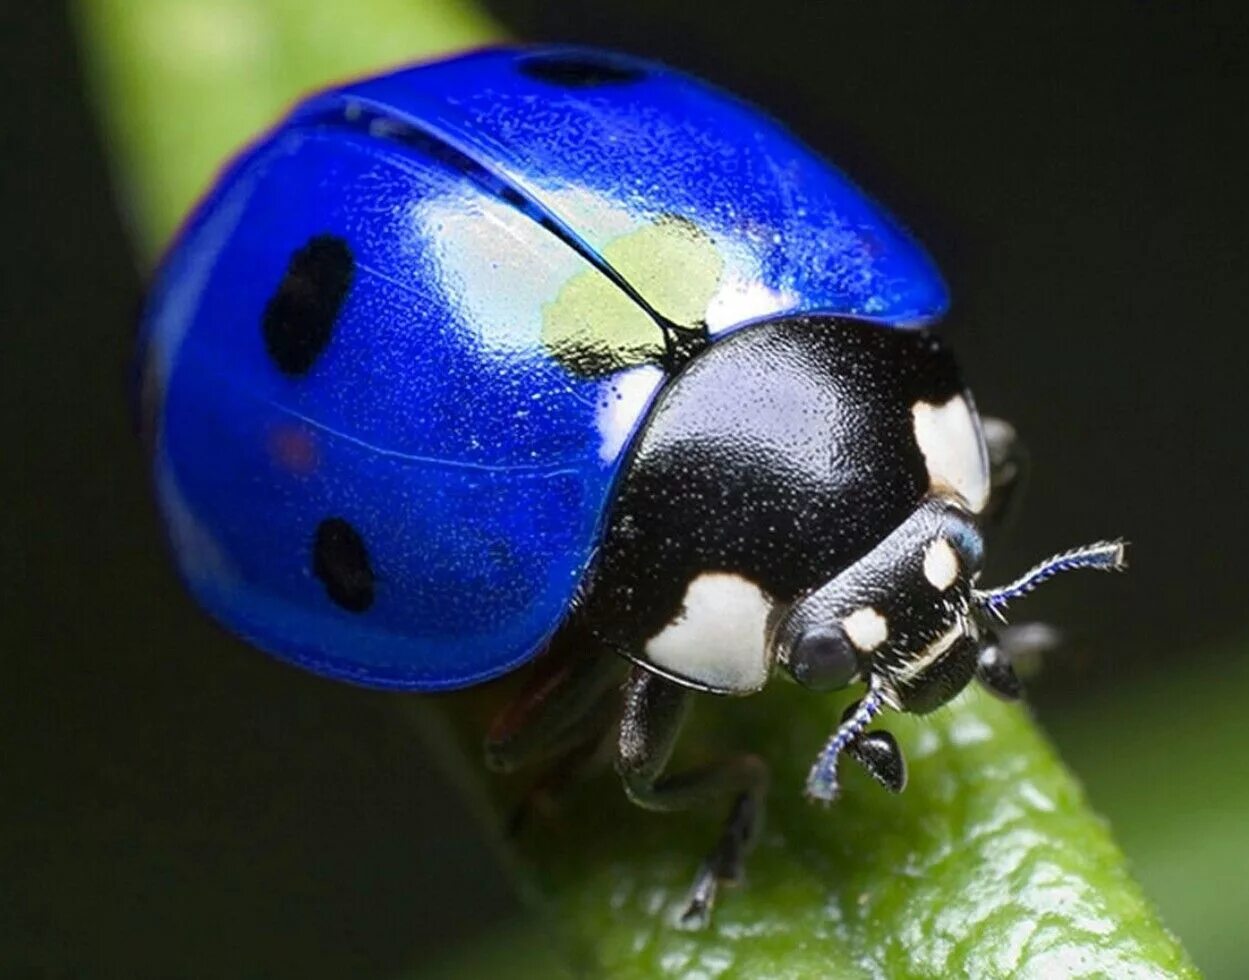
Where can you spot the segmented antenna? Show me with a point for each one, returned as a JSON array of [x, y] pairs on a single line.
[[1105, 556], [822, 780]]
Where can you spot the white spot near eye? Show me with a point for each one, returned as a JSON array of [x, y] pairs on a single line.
[[718, 640], [940, 564], [866, 628], [954, 450]]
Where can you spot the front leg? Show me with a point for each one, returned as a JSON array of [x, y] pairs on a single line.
[[561, 708], [563, 716], [995, 664], [654, 711]]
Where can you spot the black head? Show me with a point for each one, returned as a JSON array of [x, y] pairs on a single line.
[[908, 620], [903, 613]]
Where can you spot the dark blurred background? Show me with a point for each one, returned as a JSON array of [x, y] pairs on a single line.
[[1081, 176]]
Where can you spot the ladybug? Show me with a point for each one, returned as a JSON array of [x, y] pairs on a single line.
[[550, 349]]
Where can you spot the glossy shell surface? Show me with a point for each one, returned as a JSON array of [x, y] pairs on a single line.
[[392, 367]]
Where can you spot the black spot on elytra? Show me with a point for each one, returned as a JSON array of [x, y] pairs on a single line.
[[341, 561], [580, 70], [300, 316]]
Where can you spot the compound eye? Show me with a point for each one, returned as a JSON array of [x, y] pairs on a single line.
[[824, 659]]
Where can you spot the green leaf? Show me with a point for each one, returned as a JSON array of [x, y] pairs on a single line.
[[991, 863], [1161, 757], [183, 84]]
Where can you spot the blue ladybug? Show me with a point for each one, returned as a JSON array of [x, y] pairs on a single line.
[[550, 349]]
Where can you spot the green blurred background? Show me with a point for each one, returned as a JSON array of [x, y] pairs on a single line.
[[175, 802]]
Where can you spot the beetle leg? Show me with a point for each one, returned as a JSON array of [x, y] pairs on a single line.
[[654, 711], [996, 675], [995, 664], [558, 710], [584, 748], [878, 753], [1008, 471]]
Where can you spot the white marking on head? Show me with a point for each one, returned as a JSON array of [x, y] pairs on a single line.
[[719, 638], [866, 628], [940, 564], [954, 450], [930, 654]]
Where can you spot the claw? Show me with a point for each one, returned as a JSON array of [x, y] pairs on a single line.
[[696, 914], [878, 753]]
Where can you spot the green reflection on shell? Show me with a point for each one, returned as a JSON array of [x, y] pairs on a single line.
[[593, 328]]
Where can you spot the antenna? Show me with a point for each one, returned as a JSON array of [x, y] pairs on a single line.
[[822, 780], [1106, 556]]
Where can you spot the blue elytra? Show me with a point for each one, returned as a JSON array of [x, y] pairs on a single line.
[[393, 365]]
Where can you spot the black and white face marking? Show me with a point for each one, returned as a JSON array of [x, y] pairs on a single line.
[[905, 607], [927, 676], [774, 460]]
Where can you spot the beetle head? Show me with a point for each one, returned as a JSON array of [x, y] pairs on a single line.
[[903, 613], [909, 621]]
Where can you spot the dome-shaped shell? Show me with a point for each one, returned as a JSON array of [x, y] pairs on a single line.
[[392, 365]]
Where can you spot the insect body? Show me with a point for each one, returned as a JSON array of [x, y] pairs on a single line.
[[543, 348]]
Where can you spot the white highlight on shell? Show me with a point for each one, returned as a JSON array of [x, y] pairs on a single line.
[[743, 296], [180, 305], [954, 450], [199, 555], [497, 268], [624, 400], [718, 640], [940, 564], [598, 219], [866, 628]]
